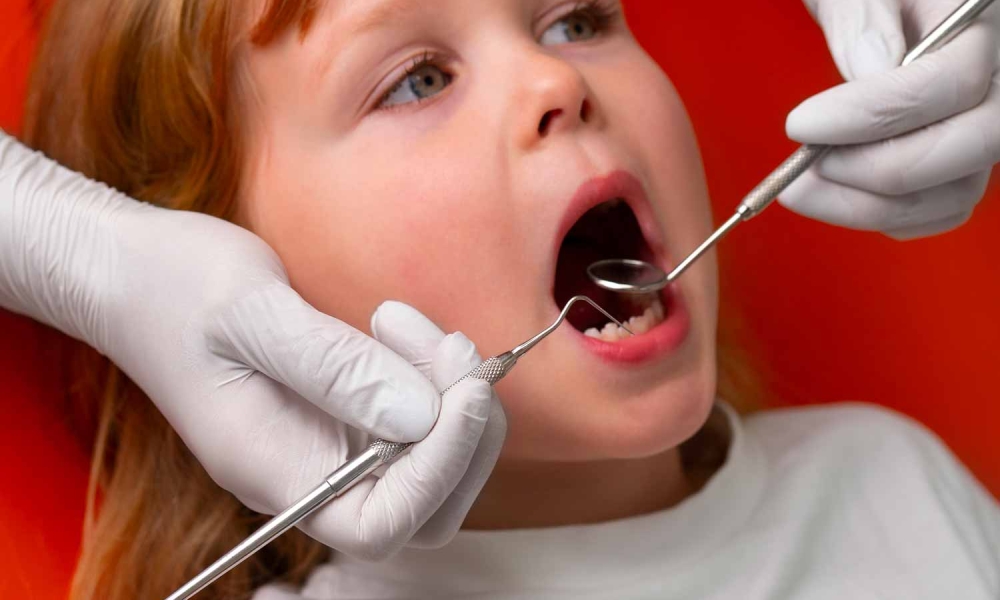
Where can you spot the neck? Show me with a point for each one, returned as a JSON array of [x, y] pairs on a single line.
[[531, 494]]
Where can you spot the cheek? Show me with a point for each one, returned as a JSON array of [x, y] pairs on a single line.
[[649, 116], [680, 189], [657, 123], [370, 224]]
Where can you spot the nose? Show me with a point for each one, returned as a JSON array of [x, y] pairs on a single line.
[[554, 98]]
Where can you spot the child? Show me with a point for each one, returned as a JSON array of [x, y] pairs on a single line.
[[470, 159]]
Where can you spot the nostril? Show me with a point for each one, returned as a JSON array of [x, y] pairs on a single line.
[[586, 111], [543, 126]]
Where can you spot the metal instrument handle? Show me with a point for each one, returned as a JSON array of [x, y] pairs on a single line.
[[491, 370], [378, 453]]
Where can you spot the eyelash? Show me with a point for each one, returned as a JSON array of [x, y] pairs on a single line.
[[426, 58], [602, 13]]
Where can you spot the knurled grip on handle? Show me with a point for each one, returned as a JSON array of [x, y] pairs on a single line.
[[768, 190], [491, 370]]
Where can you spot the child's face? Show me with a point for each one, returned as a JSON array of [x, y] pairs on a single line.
[[459, 204]]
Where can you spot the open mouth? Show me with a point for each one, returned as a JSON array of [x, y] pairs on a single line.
[[608, 230]]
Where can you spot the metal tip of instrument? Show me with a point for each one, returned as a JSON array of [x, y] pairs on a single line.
[[574, 299], [519, 351]]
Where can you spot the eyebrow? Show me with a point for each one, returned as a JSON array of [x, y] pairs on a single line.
[[385, 14]]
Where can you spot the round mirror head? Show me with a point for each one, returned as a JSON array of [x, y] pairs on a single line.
[[627, 275]]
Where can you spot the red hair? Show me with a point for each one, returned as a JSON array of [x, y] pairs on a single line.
[[139, 94]]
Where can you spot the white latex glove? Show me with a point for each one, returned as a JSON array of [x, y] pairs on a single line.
[[923, 138], [260, 386]]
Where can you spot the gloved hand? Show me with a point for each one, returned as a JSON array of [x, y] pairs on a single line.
[[922, 139], [260, 386]]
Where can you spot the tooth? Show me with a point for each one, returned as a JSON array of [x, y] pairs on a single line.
[[611, 332], [658, 310], [639, 324]]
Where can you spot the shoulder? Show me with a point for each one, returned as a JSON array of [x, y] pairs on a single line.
[[847, 432], [866, 450], [865, 501], [857, 457], [849, 415]]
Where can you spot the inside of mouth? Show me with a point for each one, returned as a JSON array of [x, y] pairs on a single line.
[[609, 230]]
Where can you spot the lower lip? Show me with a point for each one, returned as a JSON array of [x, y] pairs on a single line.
[[663, 339]]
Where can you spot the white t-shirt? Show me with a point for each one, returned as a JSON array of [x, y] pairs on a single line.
[[836, 502]]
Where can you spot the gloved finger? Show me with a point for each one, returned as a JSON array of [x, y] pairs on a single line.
[[965, 144], [455, 357], [865, 36], [818, 198], [408, 333], [940, 84], [411, 335], [346, 373], [375, 519], [929, 229]]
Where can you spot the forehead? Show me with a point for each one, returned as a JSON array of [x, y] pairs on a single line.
[[335, 24], [361, 16]]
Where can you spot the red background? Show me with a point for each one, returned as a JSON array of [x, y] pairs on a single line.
[[829, 315]]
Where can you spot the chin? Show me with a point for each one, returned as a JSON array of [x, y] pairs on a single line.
[[604, 425], [654, 422]]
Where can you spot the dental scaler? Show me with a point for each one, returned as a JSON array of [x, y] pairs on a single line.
[[379, 452], [639, 277]]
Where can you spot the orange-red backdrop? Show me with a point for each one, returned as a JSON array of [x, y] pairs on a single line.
[[830, 314]]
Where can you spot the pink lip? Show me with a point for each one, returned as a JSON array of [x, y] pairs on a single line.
[[616, 184], [667, 336]]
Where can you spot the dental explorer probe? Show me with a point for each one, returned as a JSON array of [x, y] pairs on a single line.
[[639, 277], [379, 452]]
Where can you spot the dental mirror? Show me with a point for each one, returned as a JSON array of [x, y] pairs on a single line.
[[627, 275]]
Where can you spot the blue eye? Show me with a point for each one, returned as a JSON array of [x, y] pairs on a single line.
[[584, 23], [423, 80], [574, 28]]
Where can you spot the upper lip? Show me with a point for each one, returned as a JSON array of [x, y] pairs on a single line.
[[615, 184]]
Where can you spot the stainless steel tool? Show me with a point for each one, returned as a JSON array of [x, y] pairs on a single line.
[[639, 277], [379, 452]]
